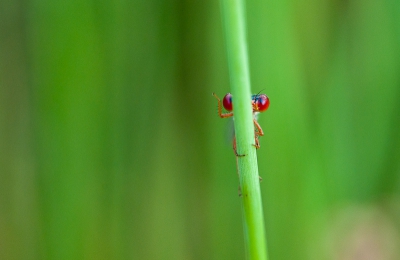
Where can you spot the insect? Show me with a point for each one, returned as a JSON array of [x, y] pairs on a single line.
[[259, 102]]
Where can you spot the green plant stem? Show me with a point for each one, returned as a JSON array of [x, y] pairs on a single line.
[[233, 12]]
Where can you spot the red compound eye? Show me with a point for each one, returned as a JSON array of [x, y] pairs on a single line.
[[227, 102], [262, 102]]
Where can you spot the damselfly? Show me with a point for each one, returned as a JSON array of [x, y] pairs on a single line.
[[259, 102]]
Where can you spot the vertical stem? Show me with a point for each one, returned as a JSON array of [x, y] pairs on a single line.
[[233, 12]]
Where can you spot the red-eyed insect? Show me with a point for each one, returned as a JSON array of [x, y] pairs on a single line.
[[259, 102]]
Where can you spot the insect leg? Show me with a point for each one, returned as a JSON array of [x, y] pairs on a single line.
[[222, 115], [234, 148], [257, 132]]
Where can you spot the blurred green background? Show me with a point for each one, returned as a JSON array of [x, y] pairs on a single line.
[[111, 147]]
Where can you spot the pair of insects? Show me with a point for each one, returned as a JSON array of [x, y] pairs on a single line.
[[259, 102]]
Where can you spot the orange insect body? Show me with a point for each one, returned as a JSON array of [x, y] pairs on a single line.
[[259, 102]]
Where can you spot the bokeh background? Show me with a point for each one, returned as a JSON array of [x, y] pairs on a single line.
[[111, 147]]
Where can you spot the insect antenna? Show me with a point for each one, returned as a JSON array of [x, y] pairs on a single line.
[[257, 95]]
